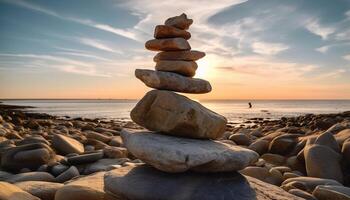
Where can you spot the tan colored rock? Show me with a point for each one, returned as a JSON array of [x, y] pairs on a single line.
[[322, 162], [342, 136], [330, 192], [327, 139], [174, 114], [260, 173], [172, 81], [164, 31], [185, 68], [31, 176], [274, 159], [41, 189], [181, 22], [346, 152], [12, 192], [179, 55], [67, 145], [84, 188], [168, 44], [174, 154], [283, 144], [240, 139]]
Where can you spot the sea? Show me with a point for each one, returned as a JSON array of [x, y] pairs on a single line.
[[235, 111]]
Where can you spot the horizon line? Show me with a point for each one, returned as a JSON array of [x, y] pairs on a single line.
[[296, 99]]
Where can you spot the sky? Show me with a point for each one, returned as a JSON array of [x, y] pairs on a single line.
[[255, 49]]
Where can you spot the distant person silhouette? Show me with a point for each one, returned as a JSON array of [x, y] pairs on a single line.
[[250, 105]]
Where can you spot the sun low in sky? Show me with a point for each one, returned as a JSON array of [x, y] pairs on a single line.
[[271, 49]]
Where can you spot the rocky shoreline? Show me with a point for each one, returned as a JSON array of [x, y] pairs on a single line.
[[66, 166]]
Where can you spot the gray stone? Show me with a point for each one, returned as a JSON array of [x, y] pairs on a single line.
[[168, 44], [85, 158], [174, 114], [31, 176], [185, 68], [172, 81], [173, 154], [329, 192], [68, 174], [146, 183]]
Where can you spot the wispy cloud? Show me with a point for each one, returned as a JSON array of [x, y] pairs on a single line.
[[87, 22], [314, 26], [347, 57], [98, 45], [268, 48], [63, 64]]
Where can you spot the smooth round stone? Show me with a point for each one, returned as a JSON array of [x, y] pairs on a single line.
[[68, 174], [177, 115], [164, 31], [98, 136], [5, 175], [179, 55], [329, 192], [11, 192], [302, 194], [310, 183], [168, 44], [260, 146], [29, 156], [58, 169], [172, 81], [41, 189], [283, 144], [174, 154], [85, 158], [31, 176], [185, 68], [67, 145], [103, 165], [181, 21], [322, 162]]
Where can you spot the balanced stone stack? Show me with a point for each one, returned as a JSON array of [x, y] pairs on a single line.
[[184, 159]]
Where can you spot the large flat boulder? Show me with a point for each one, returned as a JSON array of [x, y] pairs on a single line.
[[172, 81], [146, 183], [174, 154], [174, 114], [11, 192]]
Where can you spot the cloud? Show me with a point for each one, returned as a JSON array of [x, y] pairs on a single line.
[[87, 22], [347, 57], [97, 44], [316, 28], [268, 48], [63, 64], [323, 49]]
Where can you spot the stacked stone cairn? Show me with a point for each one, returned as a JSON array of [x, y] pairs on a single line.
[[179, 147]]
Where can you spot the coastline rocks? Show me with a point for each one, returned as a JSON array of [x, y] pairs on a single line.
[[67, 145], [174, 114], [185, 68], [29, 156], [85, 158], [172, 81], [179, 55], [41, 189], [173, 154], [11, 192], [164, 31], [308, 183], [168, 44], [181, 22], [322, 162], [67, 175]]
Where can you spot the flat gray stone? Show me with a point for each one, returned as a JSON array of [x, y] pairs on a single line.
[[172, 81], [174, 154]]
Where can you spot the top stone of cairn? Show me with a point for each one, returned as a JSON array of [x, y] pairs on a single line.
[[181, 22]]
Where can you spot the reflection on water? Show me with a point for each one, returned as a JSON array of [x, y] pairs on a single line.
[[234, 110]]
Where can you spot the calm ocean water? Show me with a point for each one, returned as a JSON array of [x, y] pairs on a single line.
[[234, 110]]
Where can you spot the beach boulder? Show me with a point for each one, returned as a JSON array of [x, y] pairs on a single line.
[[174, 154], [174, 114], [66, 145]]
